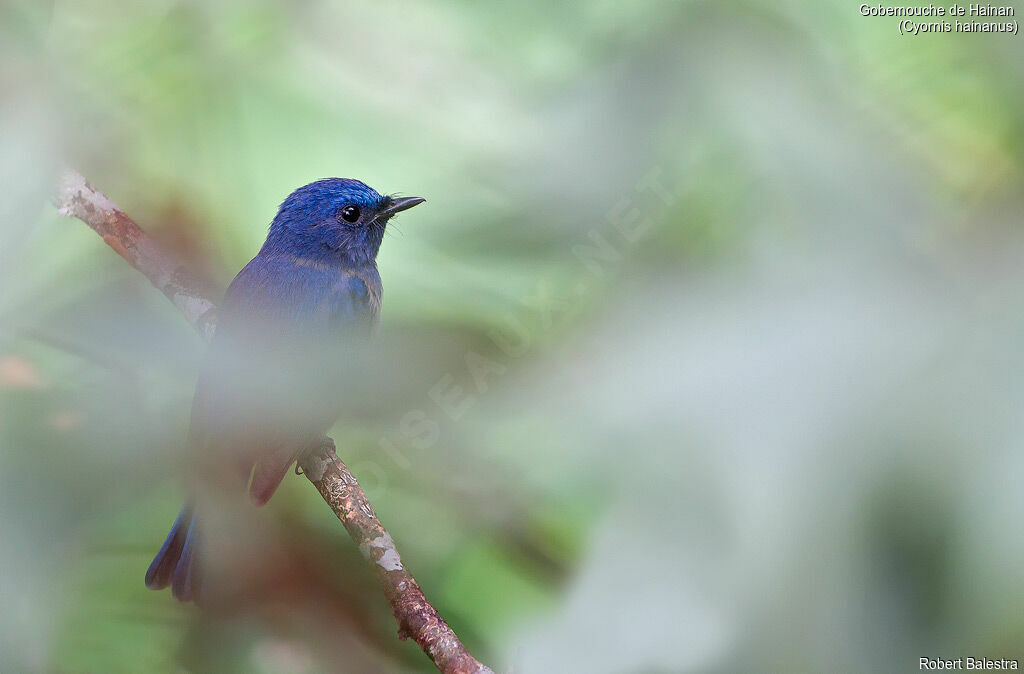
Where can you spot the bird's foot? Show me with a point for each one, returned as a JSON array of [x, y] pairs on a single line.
[[324, 448], [316, 459]]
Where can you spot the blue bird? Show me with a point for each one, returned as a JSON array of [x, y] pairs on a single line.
[[264, 394]]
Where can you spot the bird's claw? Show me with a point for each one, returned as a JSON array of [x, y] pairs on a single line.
[[326, 447], [323, 448]]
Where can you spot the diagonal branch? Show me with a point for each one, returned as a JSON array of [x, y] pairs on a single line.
[[77, 198], [416, 617]]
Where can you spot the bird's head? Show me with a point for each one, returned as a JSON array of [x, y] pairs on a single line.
[[334, 220]]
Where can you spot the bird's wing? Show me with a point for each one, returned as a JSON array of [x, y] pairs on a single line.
[[353, 303], [280, 294], [277, 318]]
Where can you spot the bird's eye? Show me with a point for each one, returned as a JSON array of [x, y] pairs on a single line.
[[350, 213]]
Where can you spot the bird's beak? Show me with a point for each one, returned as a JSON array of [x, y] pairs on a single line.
[[399, 204]]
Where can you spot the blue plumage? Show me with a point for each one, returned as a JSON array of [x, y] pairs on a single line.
[[263, 393]]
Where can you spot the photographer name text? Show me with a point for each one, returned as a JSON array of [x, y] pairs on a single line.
[[983, 664]]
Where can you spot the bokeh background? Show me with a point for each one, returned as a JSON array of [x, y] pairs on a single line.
[[718, 309]]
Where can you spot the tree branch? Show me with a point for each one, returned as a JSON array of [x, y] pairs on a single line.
[[77, 198], [416, 617]]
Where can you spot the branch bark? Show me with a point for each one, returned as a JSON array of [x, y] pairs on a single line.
[[416, 617]]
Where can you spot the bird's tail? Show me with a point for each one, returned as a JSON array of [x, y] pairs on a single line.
[[175, 564]]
